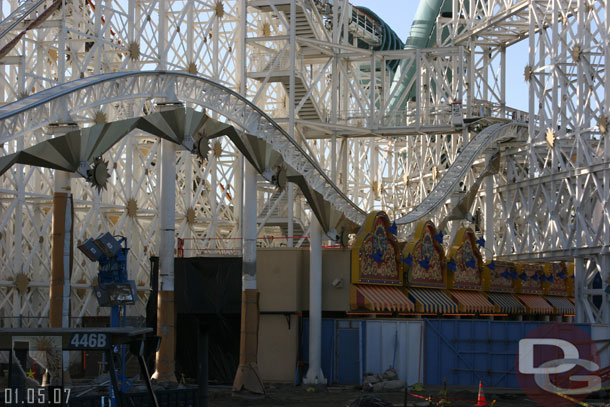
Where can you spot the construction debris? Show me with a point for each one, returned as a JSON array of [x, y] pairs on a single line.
[[387, 381]]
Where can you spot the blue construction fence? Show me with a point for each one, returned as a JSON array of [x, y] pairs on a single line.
[[427, 351]]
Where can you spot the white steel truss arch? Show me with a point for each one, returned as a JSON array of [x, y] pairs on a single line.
[[93, 91]]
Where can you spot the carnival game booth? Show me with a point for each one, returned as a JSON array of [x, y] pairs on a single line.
[[376, 269], [465, 275], [499, 284], [558, 288], [419, 279], [529, 289], [425, 270]]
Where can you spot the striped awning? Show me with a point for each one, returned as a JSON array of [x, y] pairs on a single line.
[[535, 304], [506, 303], [562, 305], [472, 301], [433, 301], [382, 298]]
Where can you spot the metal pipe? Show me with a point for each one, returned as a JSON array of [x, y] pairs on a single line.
[[489, 211], [291, 78], [290, 240], [162, 34], [249, 228], [579, 296], [603, 266], [315, 374]]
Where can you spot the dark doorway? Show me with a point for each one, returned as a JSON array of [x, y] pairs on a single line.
[[208, 299]]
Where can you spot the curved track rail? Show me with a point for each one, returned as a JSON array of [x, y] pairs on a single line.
[[249, 118], [456, 172], [21, 14], [17, 16], [244, 114]]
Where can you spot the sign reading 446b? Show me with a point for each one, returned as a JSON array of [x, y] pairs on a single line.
[[89, 340]]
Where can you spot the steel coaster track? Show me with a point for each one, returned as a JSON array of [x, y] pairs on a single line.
[[20, 14], [456, 172], [254, 121], [216, 97]]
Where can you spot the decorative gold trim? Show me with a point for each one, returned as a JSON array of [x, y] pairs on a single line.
[[100, 117], [219, 9], [527, 73], [217, 148], [22, 282], [190, 216], [192, 68], [132, 208], [134, 50]]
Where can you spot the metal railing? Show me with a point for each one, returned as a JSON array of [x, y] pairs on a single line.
[[278, 62], [364, 26]]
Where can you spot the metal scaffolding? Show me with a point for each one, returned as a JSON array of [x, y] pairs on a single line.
[[362, 127]]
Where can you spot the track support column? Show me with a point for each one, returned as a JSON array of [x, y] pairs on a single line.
[[489, 211], [604, 274], [247, 376], [315, 374], [61, 252], [61, 260], [165, 360], [579, 295]]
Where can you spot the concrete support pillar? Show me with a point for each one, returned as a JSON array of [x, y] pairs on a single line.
[[166, 326], [61, 252], [247, 376], [315, 374]]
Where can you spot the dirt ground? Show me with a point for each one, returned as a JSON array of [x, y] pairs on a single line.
[[336, 396]]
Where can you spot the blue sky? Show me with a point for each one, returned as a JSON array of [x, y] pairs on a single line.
[[399, 15]]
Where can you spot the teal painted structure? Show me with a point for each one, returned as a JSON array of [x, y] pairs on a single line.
[[423, 28], [422, 35], [390, 40]]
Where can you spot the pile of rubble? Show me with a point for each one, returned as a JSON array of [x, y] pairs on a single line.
[[387, 381]]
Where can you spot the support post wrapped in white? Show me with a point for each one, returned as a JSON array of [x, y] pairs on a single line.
[[315, 374]]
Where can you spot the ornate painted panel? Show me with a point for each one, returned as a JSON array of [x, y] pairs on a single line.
[[531, 276], [556, 279], [502, 276], [570, 280], [424, 258], [464, 263], [376, 253]]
